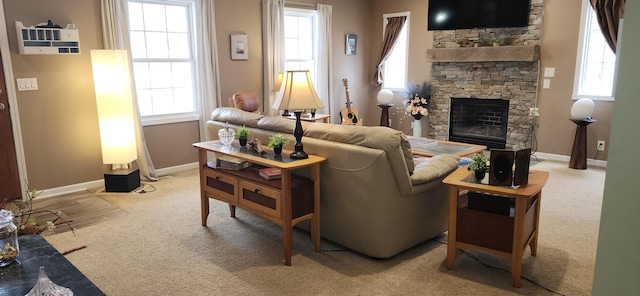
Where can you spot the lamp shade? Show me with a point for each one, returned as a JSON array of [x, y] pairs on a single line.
[[582, 108], [278, 84], [112, 84], [297, 92], [385, 96]]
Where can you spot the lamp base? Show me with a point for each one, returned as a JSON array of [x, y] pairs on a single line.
[[299, 155], [124, 180]]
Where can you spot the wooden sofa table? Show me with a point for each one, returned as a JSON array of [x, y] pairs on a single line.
[[285, 201], [503, 221]]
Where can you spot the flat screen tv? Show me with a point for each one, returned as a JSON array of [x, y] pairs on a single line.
[[469, 14]]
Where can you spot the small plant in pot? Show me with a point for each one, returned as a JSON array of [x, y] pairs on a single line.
[[242, 133], [276, 142], [496, 41], [313, 112], [479, 166]]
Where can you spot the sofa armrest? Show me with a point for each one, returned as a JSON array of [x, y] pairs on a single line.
[[434, 168]]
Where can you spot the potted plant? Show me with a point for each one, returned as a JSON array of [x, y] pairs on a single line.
[[242, 133], [476, 43], [313, 112], [479, 166], [496, 41], [276, 142]]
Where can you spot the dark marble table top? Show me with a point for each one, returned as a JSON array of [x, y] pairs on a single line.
[[35, 251]]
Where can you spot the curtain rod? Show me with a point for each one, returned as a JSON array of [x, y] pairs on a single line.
[[302, 4]]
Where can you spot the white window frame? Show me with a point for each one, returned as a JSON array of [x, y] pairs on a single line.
[[586, 21], [407, 25], [149, 120], [288, 11]]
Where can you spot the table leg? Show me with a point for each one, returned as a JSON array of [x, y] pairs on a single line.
[[286, 223], [315, 220], [232, 210], [204, 200], [534, 241], [517, 246], [451, 235]]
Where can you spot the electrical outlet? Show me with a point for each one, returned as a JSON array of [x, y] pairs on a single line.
[[534, 112], [601, 145]]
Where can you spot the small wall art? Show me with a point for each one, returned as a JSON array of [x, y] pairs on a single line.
[[239, 47], [351, 44]]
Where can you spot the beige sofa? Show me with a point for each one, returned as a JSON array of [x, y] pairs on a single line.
[[374, 198]]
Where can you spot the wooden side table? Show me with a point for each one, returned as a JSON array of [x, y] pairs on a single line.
[[307, 117], [506, 235], [280, 201]]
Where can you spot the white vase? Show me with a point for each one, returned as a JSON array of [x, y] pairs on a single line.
[[417, 128]]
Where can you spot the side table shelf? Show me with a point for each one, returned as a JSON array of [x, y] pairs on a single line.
[[285, 201]]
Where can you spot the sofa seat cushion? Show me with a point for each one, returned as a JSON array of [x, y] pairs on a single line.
[[434, 168]]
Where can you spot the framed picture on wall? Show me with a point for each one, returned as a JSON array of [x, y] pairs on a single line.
[[239, 47], [351, 44]]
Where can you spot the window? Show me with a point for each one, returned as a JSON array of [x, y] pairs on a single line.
[[300, 41], [395, 67], [595, 67], [162, 50]]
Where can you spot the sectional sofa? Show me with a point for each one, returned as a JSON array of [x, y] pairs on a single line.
[[376, 199]]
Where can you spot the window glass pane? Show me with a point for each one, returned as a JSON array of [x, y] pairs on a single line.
[[178, 46], [395, 67], [291, 49], [157, 46], [291, 26], [160, 74], [138, 45], [135, 16], [141, 75], [162, 51], [181, 74], [154, 17], [177, 19]]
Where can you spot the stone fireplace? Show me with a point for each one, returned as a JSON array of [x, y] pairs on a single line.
[[508, 74], [478, 121]]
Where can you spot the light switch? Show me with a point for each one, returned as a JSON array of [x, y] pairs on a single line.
[[546, 83], [27, 84], [549, 72]]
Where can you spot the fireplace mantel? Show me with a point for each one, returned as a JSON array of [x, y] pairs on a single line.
[[530, 53]]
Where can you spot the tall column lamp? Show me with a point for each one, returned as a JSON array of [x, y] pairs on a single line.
[[112, 84]]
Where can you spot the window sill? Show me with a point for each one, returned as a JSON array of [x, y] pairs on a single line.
[[168, 119], [594, 98]]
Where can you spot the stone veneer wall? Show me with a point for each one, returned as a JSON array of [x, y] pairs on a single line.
[[514, 81]]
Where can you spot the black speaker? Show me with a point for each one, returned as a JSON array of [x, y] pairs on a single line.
[[521, 175], [500, 167]]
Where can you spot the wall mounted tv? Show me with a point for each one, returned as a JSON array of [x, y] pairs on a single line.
[[468, 14]]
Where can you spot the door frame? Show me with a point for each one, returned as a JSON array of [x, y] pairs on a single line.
[[13, 102]]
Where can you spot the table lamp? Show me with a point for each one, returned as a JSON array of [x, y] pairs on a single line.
[[112, 84], [276, 89], [297, 93]]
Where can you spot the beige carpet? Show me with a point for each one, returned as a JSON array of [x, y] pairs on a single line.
[[159, 248]]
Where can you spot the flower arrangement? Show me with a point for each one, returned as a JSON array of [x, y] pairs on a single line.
[[419, 98]]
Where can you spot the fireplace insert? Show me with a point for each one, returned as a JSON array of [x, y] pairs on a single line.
[[479, 121]]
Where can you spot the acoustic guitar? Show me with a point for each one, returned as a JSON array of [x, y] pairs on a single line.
[[349, 116]]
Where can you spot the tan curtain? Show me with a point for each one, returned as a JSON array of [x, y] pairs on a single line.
[[391, 32], [609, 13]]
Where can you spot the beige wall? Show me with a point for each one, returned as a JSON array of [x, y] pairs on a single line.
[[558, 49], [59, 122]]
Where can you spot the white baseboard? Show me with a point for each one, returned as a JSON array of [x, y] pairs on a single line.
[[565, 158], [100, 183]]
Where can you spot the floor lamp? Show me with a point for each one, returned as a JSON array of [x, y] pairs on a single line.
[[112, 84], [276, 89], [297, 93]]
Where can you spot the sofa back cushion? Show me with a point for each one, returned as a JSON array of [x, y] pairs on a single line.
[[236, 116], [393, 142]]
